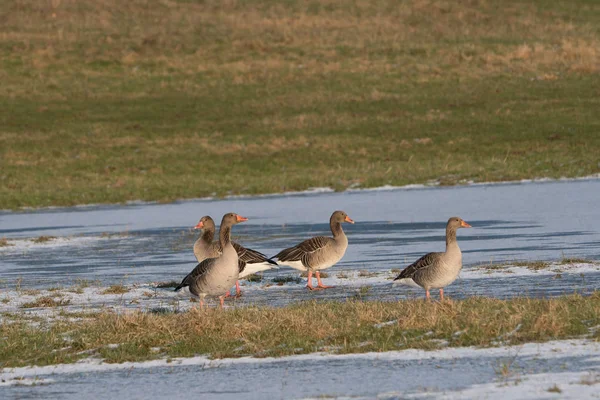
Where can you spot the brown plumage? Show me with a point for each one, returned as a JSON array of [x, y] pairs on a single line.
[[319, 252]]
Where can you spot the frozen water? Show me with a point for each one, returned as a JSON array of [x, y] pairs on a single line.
[[152, 242], [526, 372]]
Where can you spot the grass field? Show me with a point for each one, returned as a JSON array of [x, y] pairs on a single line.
[[109, 101], [336, 327]]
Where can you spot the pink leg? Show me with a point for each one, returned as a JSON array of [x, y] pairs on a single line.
[[201, 304], [427, 296], [222, 299], [309, 284], [238, 290], [319, 283], [442, 294]]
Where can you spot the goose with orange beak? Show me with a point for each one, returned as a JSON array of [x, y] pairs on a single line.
[[318, 253], [215, 276], [249, 261], [436, 270]]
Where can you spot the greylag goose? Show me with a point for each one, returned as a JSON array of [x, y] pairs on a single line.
[[249, 261], [216, 275], [318, 253], [436, 270]]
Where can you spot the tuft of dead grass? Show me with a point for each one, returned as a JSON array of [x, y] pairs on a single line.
[[4, 242], [363, 273], [592, 378], [43, 239], [575, 260], [116, 289], [254, 278], [323, 274], [46, 301], [555, 389], [533, 265]]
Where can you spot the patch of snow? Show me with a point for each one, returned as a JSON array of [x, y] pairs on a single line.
[[384, 324], [21, 245], [19, 381], [563, 385], [552, 269], [551, 350]]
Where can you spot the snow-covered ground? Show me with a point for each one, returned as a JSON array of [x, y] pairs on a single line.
[[502, 282]]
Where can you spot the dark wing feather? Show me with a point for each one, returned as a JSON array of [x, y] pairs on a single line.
[[251, 256], [314, 244], [196, 272], [302, 250], [424, 262]]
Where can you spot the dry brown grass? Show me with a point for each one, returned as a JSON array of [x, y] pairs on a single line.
[[352, 326], [366, 274], [533, 265], [323, 274], [116, 289], [44, 239], [46, 301]]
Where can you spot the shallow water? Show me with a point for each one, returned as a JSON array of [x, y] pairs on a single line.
[[152, 242], [386, 376]]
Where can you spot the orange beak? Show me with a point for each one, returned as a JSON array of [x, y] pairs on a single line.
[[239, 218], [200, 225], [348, 219], [465, 225]]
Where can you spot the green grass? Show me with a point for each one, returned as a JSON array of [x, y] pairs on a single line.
[[104, 103], [338, 327]]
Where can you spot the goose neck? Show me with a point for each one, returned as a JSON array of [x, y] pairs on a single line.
[[225, 235]]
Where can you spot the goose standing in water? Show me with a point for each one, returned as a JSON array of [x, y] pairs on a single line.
[[437, 270], [214, 276], [318, 253], [249, 261]]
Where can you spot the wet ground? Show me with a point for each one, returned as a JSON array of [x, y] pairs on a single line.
[[527, 371], [152, 242]]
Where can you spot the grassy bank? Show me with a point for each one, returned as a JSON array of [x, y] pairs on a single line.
[[350, 327], [108, 102]]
